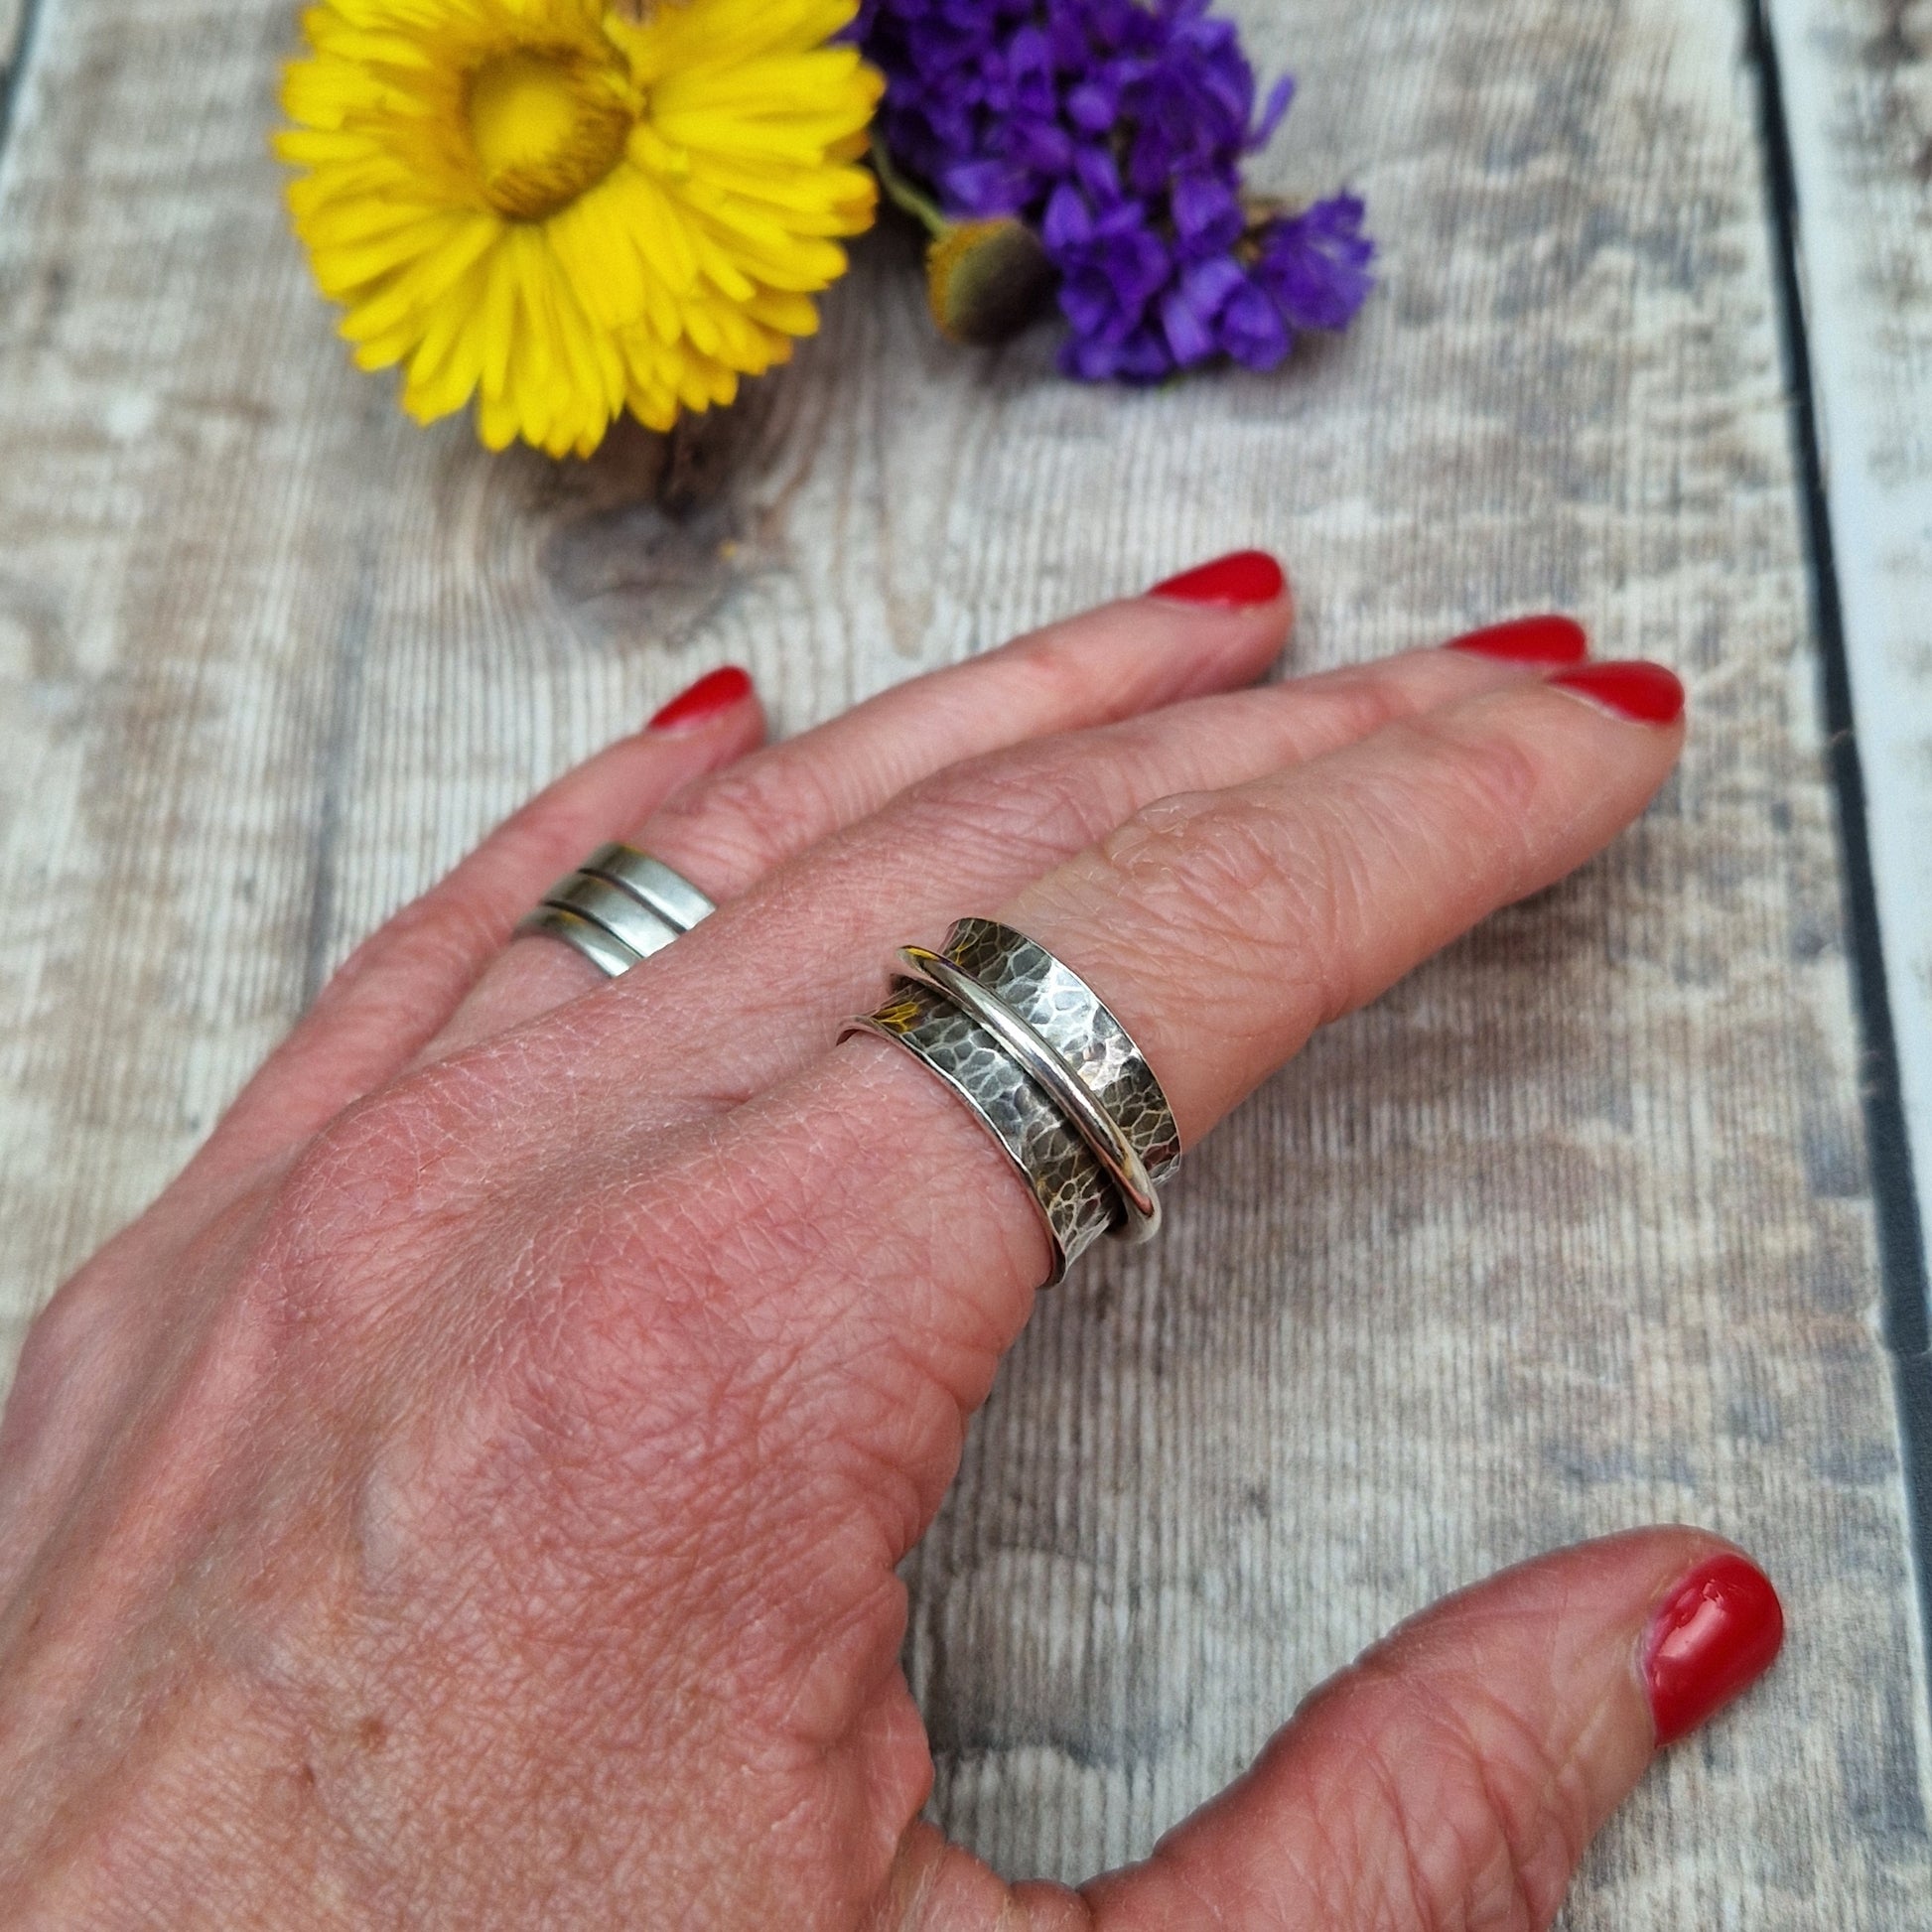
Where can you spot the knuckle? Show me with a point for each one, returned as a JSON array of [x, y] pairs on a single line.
[[750, 818], [1022, 809], [1347, 706], [1486, 1820], [1052, 672], [1233, 886], [364, 1208], [62, 1339], [442, 933], [638, 1351], [1487, 791], [1303, 886], [1180, 860]]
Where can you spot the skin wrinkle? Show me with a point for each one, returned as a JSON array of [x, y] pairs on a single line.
[[724, 1404], [1495, 785], [1466, 1878], [1541, 1841], [804, 1394], [1366, 864], [1457, 1710], [1206, 1909], [753, 817], [826, 1157]]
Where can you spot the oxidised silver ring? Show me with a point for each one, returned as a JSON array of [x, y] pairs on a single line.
[[1106, 1138], [1013, 1070]]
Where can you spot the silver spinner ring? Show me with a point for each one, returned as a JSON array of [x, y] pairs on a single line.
[[1049, 1070]]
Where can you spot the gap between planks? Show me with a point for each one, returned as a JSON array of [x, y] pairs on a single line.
[[16, 28]]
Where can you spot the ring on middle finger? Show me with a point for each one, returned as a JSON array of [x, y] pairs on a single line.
[[1106, 1138], [1049, 1070]]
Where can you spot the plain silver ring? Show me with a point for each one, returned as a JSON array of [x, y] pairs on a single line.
[[1140, 1200], [619, 908], [609, 954], [622, 915], [654, 883]]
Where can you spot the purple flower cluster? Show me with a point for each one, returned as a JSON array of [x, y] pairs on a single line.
[[1118, 128]]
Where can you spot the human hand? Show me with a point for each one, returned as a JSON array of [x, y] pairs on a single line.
[[471, 1496]]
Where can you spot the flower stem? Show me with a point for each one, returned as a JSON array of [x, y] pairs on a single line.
[[904, 195]]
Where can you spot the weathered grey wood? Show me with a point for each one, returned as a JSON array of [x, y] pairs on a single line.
[[1573, 1232], [1857, 88]]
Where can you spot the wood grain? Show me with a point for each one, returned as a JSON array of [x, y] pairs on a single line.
[[1573, 1232]]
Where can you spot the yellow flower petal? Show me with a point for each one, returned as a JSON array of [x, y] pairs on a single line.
[[560, 214]]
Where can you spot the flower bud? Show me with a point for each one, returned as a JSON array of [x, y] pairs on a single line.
[[986, 280]]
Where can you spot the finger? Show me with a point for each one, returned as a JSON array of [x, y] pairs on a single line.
[[1454, 1777], [1289, 903], [1223, 929], [971, 837], [1211, 630]]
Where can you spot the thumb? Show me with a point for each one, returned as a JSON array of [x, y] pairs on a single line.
[[1455, 1774]]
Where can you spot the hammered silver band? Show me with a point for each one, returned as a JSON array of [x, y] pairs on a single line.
[[1106, 1138], [619, 907], [1035, 1054]]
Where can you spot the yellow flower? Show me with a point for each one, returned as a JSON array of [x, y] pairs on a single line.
[[562, 212]]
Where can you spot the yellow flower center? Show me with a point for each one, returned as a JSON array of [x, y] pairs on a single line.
[[545, 124]]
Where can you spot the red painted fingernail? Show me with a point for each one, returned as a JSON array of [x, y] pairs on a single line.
[[1529, 641], [1236, 583], [1715, 1635], [1645, 694], [709, 698]]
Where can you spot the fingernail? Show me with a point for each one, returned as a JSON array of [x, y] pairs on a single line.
[[1645, 694], [709, 698], [1236, 583], [1528, 641], [1715, 1635]]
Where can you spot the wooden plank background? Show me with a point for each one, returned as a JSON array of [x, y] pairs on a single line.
[[1575, 1231]]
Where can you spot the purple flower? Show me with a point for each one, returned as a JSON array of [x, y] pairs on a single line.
[[1314, 266], [1118, 128], [1191, 309], [1112, 265]]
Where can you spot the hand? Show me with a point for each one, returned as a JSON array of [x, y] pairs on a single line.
[[471, 1496]]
